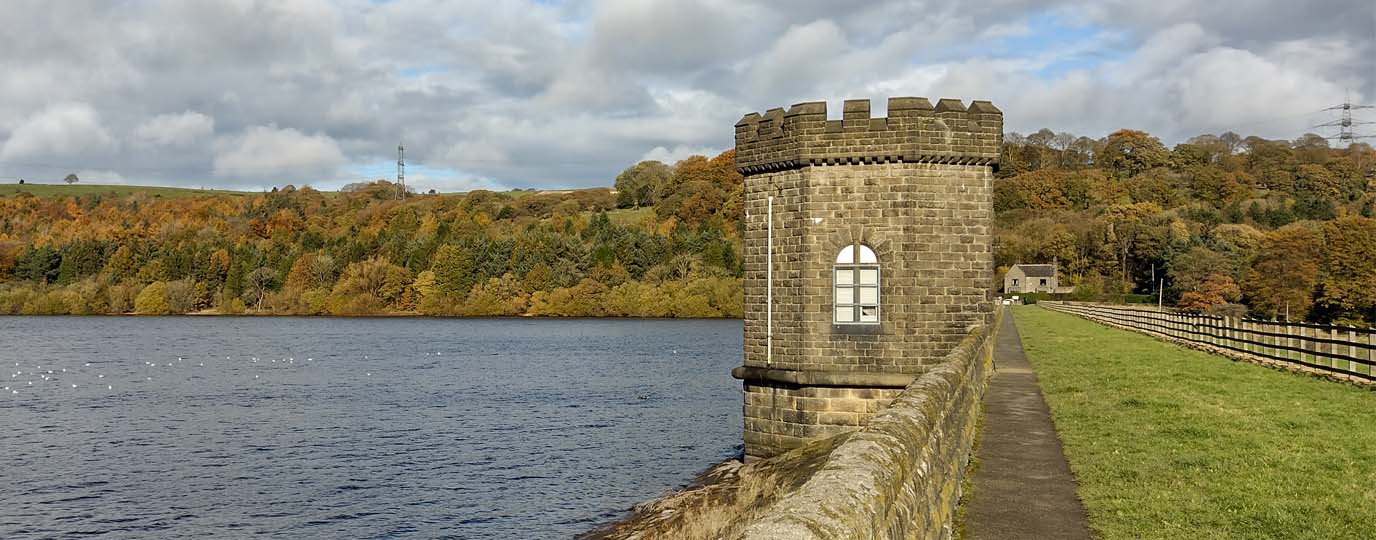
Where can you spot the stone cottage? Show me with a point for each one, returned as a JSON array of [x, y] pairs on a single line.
[[1030, 278]]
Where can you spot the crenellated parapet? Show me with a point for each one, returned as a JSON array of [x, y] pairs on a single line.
[[915, 131]]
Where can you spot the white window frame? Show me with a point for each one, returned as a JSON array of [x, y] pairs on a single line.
[[866, 260]]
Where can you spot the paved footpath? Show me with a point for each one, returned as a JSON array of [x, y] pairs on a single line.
[[1023, 487]]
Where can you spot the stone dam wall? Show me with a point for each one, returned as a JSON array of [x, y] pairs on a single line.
[[898, 477]]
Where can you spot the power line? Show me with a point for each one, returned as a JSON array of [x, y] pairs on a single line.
[[1345, 122]]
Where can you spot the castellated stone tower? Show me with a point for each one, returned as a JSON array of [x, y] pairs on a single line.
[[878, 261]]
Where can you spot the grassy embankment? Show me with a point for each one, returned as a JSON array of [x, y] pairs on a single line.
[[1173, 443], [65, 190]]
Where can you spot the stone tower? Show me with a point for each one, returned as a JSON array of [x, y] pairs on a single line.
[[867, 256]]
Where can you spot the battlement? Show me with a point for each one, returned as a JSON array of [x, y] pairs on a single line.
[[915, 131]]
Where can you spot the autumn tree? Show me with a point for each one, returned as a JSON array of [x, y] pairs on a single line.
[[370, 286], [639, 183], [455, 270], [1283, 276], [1129, 152], [152, 300], [1214, 291], [497, 297], [257, 284], [1348, 286], [1191, 271]]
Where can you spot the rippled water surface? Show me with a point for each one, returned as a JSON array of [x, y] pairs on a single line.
[[353, 428]]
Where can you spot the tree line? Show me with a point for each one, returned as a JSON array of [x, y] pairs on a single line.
[[672, 250], [1219, 223]]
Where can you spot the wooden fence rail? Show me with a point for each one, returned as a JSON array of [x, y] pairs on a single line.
[[1340, 350]]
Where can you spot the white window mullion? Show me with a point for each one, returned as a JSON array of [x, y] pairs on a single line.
[[856, 286]]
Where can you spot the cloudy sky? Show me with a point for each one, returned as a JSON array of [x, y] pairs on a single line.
[[501, 94]]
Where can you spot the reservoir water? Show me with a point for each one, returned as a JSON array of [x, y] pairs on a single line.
[[236, 427]]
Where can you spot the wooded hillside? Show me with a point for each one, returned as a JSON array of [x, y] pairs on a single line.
[[671, 250], [1223, 223]]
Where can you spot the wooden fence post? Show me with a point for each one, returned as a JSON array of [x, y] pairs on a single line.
[[1290, 339], [1313, 345], [1273, 340], [1232, 333], [1245, 334], [1332, 347], [1352, 349], [1303, 341]]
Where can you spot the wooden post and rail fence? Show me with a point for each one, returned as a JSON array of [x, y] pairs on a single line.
[[1341, 351]]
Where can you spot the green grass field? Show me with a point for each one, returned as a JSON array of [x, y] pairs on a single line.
[[630, 216], [64, 190], [1173, 443]]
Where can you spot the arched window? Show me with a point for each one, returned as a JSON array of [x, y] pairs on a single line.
[[856, 285]]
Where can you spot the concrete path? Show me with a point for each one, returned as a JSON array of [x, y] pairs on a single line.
[[1023, 487]]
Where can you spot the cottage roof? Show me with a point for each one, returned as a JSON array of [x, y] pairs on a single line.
[[1037, 270]]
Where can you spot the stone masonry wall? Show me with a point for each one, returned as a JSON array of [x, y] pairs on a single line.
[[930, 225], [900, 476], [916, 187], [913, 132], [780, 416]]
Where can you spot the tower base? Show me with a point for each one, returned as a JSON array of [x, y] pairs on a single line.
[[786, 409]]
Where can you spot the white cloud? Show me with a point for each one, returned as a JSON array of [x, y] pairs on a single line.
[[563, 94], [69, 129], [804, 54], [670, 156], [186, 128], [271, 151], [422, 183], [101, 177]]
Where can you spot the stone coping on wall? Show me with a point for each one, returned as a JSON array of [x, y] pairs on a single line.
[[858, 379]]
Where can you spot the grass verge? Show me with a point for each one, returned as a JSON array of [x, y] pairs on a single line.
[[1168, 442]]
